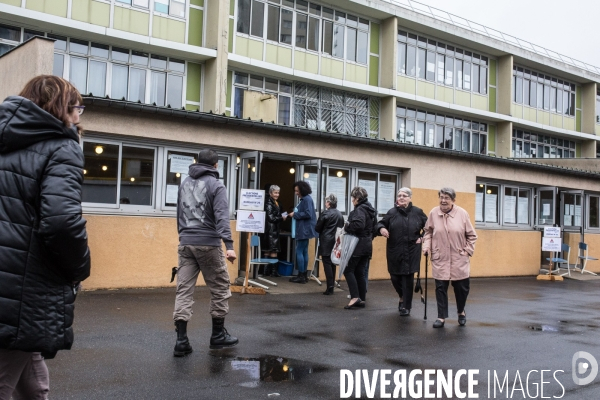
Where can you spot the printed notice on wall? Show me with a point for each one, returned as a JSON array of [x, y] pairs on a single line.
[[369, 186], [252, 199], [220, 168], [337, 186], [577, 211], [311, 179], [250, 221], [568, 220], [523, 211], [546, 210], [510, 207], [491, 211], [171, 194], [180, 163], [387, 196], [479, 207]]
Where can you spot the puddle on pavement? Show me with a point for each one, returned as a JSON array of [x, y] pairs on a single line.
[[250, 372], [544, 328]]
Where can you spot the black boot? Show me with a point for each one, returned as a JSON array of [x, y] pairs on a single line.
[[301, 278], [329, 291], [220, 337], [182, 346], [267, 270], [274, 272]]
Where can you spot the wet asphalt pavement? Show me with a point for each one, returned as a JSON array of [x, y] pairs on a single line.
[[295, 344]]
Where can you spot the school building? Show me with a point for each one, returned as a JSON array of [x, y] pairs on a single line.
[[375, 93]]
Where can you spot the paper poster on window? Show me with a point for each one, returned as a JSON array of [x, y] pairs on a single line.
[[337, 186], [523, 211], [171, 197], [311, 179], [567, 209], [577, 221], [369, 186], [180, 163], [387, 196], [577, 211], [220, 166], [546, 210], [510, 208], [182, 178], [572, 209], [479, 207], [491, 211], [568, 220]]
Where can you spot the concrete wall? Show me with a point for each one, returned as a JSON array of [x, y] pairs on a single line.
[[593, 242], [36, 57], [586, 164], [215, 93]]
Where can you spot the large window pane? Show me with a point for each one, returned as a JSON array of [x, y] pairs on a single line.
[[533, 94], [301, 30], [482, 80], [410, 131], [523, 206], [411, 61], [78, 74], [137, 176], [338, 41], [518, 90], [177, 8], [97, 85], [137, 85], [285, 104], [402, 58], [540, 96], [467, 75], [178, 163], [594, 212], [421, 55], [466, 141], [368, 181], [559, 101], [430, 75], [526, 91], [158, 88], [161, 6], [401, 135], [546, 97], [120, 75], [420, 133], [338, 184], [459, 74], [273, 23], [475, 76], [351, 45], [491, 204], [439, 136], [243, 22], [509, 214], [386, 193], [327, 37], [238, 105], [440, 68], [10, 33], [313, 34], [479, 196], [100, 173], [482, 144], [449, 71], [361, 47], [258, 17], [448, 132], [553, 99], [175, 91], [430, 135], [287, 18], [58, 67]]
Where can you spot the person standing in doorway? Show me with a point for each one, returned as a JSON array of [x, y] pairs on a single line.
[[44, 252], [329, 221], [450, 239], [270, 238], [203, 222], [303, 228]]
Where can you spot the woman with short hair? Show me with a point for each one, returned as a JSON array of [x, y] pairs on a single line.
[[450, 239], [403, 227], [303, 229], [270, 237], [329, 220], [361, 223]]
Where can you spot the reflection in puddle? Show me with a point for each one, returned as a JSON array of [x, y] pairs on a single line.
[[544, 328], [265, 369]]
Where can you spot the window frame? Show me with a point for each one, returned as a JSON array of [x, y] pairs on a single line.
[[500, 222], [588, 212]]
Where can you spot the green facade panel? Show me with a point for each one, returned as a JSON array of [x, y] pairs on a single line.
[[168, 29], [493, 66], [492, 97], [196, 27], [231, 7], [199, 3], [374, 38], [231, 34], [492, 138], [578, 150], [133, 21], [229, 81], [194, 75], [578, 120], [93, 12], [192, 107], [373, 71], [16, 3], [54, 7]]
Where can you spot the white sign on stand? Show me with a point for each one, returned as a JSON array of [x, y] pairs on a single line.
[[551, 244], [252, 199], [551, 232], [250, 221]]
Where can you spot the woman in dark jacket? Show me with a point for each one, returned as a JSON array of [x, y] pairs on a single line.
[[270, 238], [326, 227], [303, 228], [361, 223], [43, 241], [403, 227]]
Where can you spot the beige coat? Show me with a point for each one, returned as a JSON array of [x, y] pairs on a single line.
[[450, 239]]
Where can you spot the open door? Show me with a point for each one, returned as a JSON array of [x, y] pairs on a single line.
[[310, 171], [546, 206]]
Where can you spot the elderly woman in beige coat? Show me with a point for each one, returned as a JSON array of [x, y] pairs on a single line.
[[450, 239]]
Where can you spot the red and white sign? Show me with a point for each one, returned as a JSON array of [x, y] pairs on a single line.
[[250, 221]]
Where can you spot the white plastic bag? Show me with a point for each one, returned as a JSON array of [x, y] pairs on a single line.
[[349, 243], [336, 253]]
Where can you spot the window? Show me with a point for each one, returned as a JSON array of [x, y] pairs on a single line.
[[334, 110], [597, 106], [283, 90], [531, 145], [317, 28], [137, 3], [438, 130], [537, 90], [503, 204], [594, 212], [516, 206], [175, 8]]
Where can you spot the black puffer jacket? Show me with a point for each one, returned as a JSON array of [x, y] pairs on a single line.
[[361, 223], [43, 241], [405, 226], [327, 225], [270, 238]]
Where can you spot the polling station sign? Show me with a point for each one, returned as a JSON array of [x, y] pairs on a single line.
[[551, 244], [252, 199], [551, 232], [250, 221]]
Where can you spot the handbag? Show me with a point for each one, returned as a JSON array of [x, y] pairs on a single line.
[[336, 253]]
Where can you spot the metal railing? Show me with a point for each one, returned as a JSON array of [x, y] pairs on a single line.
[[490, 32]]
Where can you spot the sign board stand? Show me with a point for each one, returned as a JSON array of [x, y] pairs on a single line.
[[551, 242]]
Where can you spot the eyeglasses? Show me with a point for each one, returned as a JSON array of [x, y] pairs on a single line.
[[79, 109]]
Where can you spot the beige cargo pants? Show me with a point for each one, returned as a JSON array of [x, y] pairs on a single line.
[[211, 261]]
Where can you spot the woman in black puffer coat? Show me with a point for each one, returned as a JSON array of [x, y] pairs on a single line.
[[270, 238], [403, 227], [43, 241]]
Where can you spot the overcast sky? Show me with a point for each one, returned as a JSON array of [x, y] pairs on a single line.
[[566, 27]]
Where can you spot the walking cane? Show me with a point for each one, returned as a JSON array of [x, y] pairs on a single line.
[[426, 262]]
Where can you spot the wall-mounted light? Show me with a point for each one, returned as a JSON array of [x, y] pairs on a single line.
[[340, 174], [285, 368], [104, 168], [306, 175], [238, 160], [480, 185], [99, 150], [132, 179], [178, 175], [253, 169], [85, 171], [292, 171], [489, 191]]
